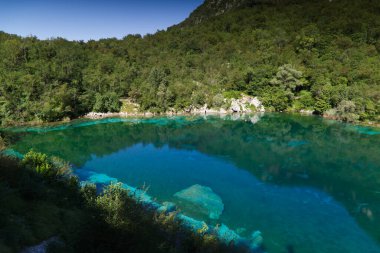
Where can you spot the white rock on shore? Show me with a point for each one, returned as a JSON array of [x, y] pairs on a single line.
[[101, 115], [245, 104]]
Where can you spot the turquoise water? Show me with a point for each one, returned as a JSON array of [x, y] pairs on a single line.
[[309, 185]]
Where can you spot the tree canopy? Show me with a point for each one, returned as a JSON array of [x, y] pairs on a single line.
[[293, 55]]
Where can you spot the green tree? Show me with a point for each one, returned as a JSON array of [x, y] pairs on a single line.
[[346, 111], [109, 102], [289, 79]]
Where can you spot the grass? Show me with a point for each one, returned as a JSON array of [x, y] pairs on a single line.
[[128, 107]]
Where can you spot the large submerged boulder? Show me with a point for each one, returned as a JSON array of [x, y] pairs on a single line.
[[202, 199]]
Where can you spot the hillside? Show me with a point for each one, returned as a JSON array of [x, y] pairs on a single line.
[[213, 8], [294, 55]]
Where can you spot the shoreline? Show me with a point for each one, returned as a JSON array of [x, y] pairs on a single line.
[[211, 112]]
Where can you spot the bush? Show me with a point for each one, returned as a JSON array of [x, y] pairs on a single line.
[[2, 144], [306, 100], [346, 111], [218, 101], [108, 102], [38, 162], [113, 205], [232, 94], [321, 106], [276, 98], [289, 79]]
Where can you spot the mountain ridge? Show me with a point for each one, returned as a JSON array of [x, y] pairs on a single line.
[[213, 8]]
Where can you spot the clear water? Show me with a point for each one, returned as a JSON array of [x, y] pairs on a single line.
[[308, 184]]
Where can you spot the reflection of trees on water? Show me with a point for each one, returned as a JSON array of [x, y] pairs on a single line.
[[281, 149]]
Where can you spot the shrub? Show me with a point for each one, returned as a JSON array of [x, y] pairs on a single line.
[[306, 100], [321, 106], [218, 100], [113, 205], [276, 98], [38, 162], [108, 102], [289, 79], [88, 191], [232, 94], [346, 111], [2, 144]]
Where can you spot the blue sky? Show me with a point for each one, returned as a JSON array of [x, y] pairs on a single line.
[[91, 19]]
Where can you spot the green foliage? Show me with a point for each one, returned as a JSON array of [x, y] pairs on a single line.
[[288, 79], [38, 162], [305, 100], [258, 50], [89, 193], [52, 167], [2, 144], [346, 111], [321, 106], [108, 102], [113, 205], [232, 94], [218, 101], [35, 208], [276, 99]]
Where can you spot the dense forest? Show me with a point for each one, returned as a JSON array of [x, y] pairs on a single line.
[[294, 55]]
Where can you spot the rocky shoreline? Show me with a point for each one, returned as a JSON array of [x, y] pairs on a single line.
[[244, 105]]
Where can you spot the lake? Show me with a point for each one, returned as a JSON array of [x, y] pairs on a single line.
[[308, 184]]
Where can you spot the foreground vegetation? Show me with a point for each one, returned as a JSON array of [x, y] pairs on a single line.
[[295, 55], [40, 199]]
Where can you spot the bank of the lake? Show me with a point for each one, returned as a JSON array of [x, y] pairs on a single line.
[[45, 209]]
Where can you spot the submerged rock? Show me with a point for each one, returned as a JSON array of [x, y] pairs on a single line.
[[203, 199], [200, 197], [256, 239], [167, 207], [191, 223], [241, 230], [43, 246], [226, 234], [296, 143], [98, 178]]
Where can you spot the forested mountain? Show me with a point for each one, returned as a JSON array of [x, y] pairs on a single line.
[[212, 8], [297, 54]]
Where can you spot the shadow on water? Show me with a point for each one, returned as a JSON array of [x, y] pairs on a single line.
[[289, 150], [290, 249]]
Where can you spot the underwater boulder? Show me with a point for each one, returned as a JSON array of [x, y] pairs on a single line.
[[191, 223], [256, 239], [226, 234], [241, 230], [167, 207], [202, 199], [98, 178]]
